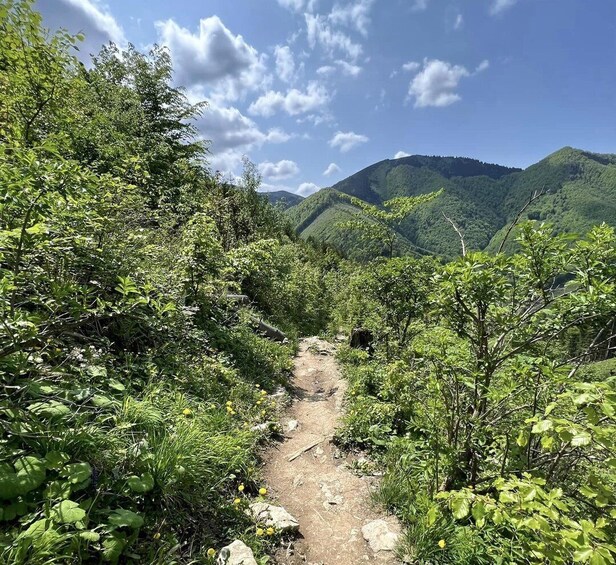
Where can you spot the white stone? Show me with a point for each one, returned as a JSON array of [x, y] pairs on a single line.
[[275, 516], [292, 425], [237, 553], [380, 536]]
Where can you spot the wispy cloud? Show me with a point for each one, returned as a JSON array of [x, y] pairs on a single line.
[[499, 6], [345, 141]]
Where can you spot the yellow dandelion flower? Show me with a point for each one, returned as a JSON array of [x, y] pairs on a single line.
[[237, 501], [241, 487], [229, 409], [187, 411], [259, 532], [262, 491], [233, 412], [263, 393], [229, 403], [269, 531], [258, 402], [257, 386], [156, 535], [442, 543], [211, 552]]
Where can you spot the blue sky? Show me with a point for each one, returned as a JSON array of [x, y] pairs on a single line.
[[314, 90]]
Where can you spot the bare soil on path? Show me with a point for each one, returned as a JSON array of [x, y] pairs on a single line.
[[310, 477]]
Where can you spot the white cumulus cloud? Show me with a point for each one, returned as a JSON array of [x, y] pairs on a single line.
[[345, 141], [436, 83], [401, 154], [82, 16], [306, 188], [232, 135], [278, 171], [293, 102], [332, 168], [459, 22], [212, 56]]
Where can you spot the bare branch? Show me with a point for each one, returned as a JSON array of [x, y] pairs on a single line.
[[533, 197], [459, 232]]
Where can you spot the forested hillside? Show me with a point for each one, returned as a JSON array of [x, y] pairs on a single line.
[[482, 200], [134, 381], [283, 199]]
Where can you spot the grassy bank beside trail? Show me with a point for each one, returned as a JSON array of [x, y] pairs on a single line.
[[132, 382]]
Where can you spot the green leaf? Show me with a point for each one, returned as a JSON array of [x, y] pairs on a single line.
[[55, 460], [581, 439], [522, 439], [141, 484], [542, 426], [582, 554], [598, 559], [36, 529], [125, 518], [77, 472], [101, 401], [113, 546], [51, 409], [30, 474], [460, 507], [89, 535], [68, 512]]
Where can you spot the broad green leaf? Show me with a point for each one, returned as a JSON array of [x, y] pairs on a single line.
[[31, 473], [36, 529], [51, 409], [77, 472], [582, 554], [68, 512], [89, 535], [125, 518], [113, 545], [55, 459], [542, 426], [460, 507], [141, 484], [581, 439]]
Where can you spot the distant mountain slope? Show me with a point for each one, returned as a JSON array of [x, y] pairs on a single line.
[[582, 192], [481, 198], [283, 198]]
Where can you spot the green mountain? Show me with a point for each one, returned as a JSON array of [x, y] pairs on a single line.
[[283, 198], [481, 198]]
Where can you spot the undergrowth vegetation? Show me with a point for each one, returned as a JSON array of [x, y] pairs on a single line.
[[489, 399], [132, 377]]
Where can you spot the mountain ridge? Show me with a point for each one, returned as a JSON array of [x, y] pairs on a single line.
[[482, 198]]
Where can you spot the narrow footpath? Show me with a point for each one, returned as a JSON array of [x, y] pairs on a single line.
[[311, 479]]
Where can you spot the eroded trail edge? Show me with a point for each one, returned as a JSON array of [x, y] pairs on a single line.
[[311, 478]]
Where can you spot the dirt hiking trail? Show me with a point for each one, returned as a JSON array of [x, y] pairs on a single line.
[[310, 478]]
